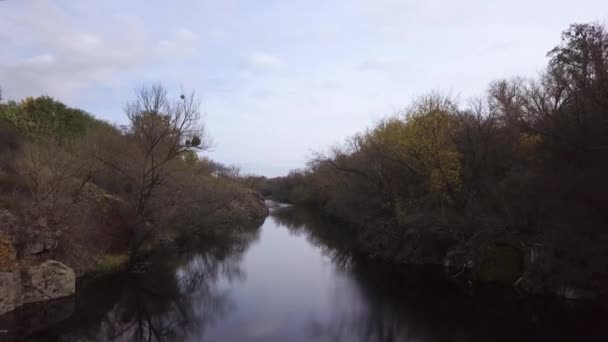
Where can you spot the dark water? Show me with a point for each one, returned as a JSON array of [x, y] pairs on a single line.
[[293, 279]]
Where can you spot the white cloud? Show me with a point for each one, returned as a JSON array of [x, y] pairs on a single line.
[[182, 43], [80, 43], [331, 84], [376, 64], [185, 34], [74, 57], [260, 61], [44, 60]]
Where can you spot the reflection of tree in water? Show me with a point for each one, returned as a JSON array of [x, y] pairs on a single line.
[[174, 300], [359, 313], [381, 308], [334, 241], [383, 302], [179, 297]]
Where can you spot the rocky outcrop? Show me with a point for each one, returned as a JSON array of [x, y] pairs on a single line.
[[39, 239], [28, 238], [10, 291], [530, 264], [21, 245], [49, 280]]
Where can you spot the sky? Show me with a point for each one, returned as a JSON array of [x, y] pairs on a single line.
[[278, 80]]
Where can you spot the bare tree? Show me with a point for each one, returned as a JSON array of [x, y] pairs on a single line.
[[48, 169], [161, 131]]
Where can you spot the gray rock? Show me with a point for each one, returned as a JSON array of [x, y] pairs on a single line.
[[10, 291], [49, 280], [40, 240], [29, 239], [7, 220]]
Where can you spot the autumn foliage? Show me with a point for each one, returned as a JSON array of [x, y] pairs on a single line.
[[523, 164]]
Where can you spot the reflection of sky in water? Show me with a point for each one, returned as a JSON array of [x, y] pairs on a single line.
[[288, 284]]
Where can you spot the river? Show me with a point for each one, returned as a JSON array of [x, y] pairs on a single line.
[[293, 279]]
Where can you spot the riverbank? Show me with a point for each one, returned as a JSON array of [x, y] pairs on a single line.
[[492, 258], [39, 263], [295, 279]]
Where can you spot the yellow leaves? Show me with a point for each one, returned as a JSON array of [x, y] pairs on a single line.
[[429, 138], [388, 132], [423, 141], [421, 144], [445, 176]]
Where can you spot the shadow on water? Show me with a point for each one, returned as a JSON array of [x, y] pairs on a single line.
[[182, 296]]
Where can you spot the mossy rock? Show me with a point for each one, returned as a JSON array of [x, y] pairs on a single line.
[[499, 264]]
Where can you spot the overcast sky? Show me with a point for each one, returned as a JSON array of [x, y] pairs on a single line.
[[278, 79]]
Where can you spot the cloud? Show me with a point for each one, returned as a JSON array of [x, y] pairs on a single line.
[[44, 60], [52, 56], [260, 61], [183, 43], [376, 64], [262, 94], [331, 84]]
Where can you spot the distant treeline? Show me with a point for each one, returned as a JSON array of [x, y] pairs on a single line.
[[524, 165]]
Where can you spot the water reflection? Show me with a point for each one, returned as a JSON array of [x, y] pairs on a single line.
[[299, 278], [174, 299], [401, 303]]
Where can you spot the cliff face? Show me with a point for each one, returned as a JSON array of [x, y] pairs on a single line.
[[27, 275], [46, 281]]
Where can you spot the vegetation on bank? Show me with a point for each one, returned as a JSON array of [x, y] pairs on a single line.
[[516, 177], [92, 193]]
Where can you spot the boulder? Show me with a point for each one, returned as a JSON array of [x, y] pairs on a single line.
[[48, 280], [40, 239], [29, 239], [10, 291]]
